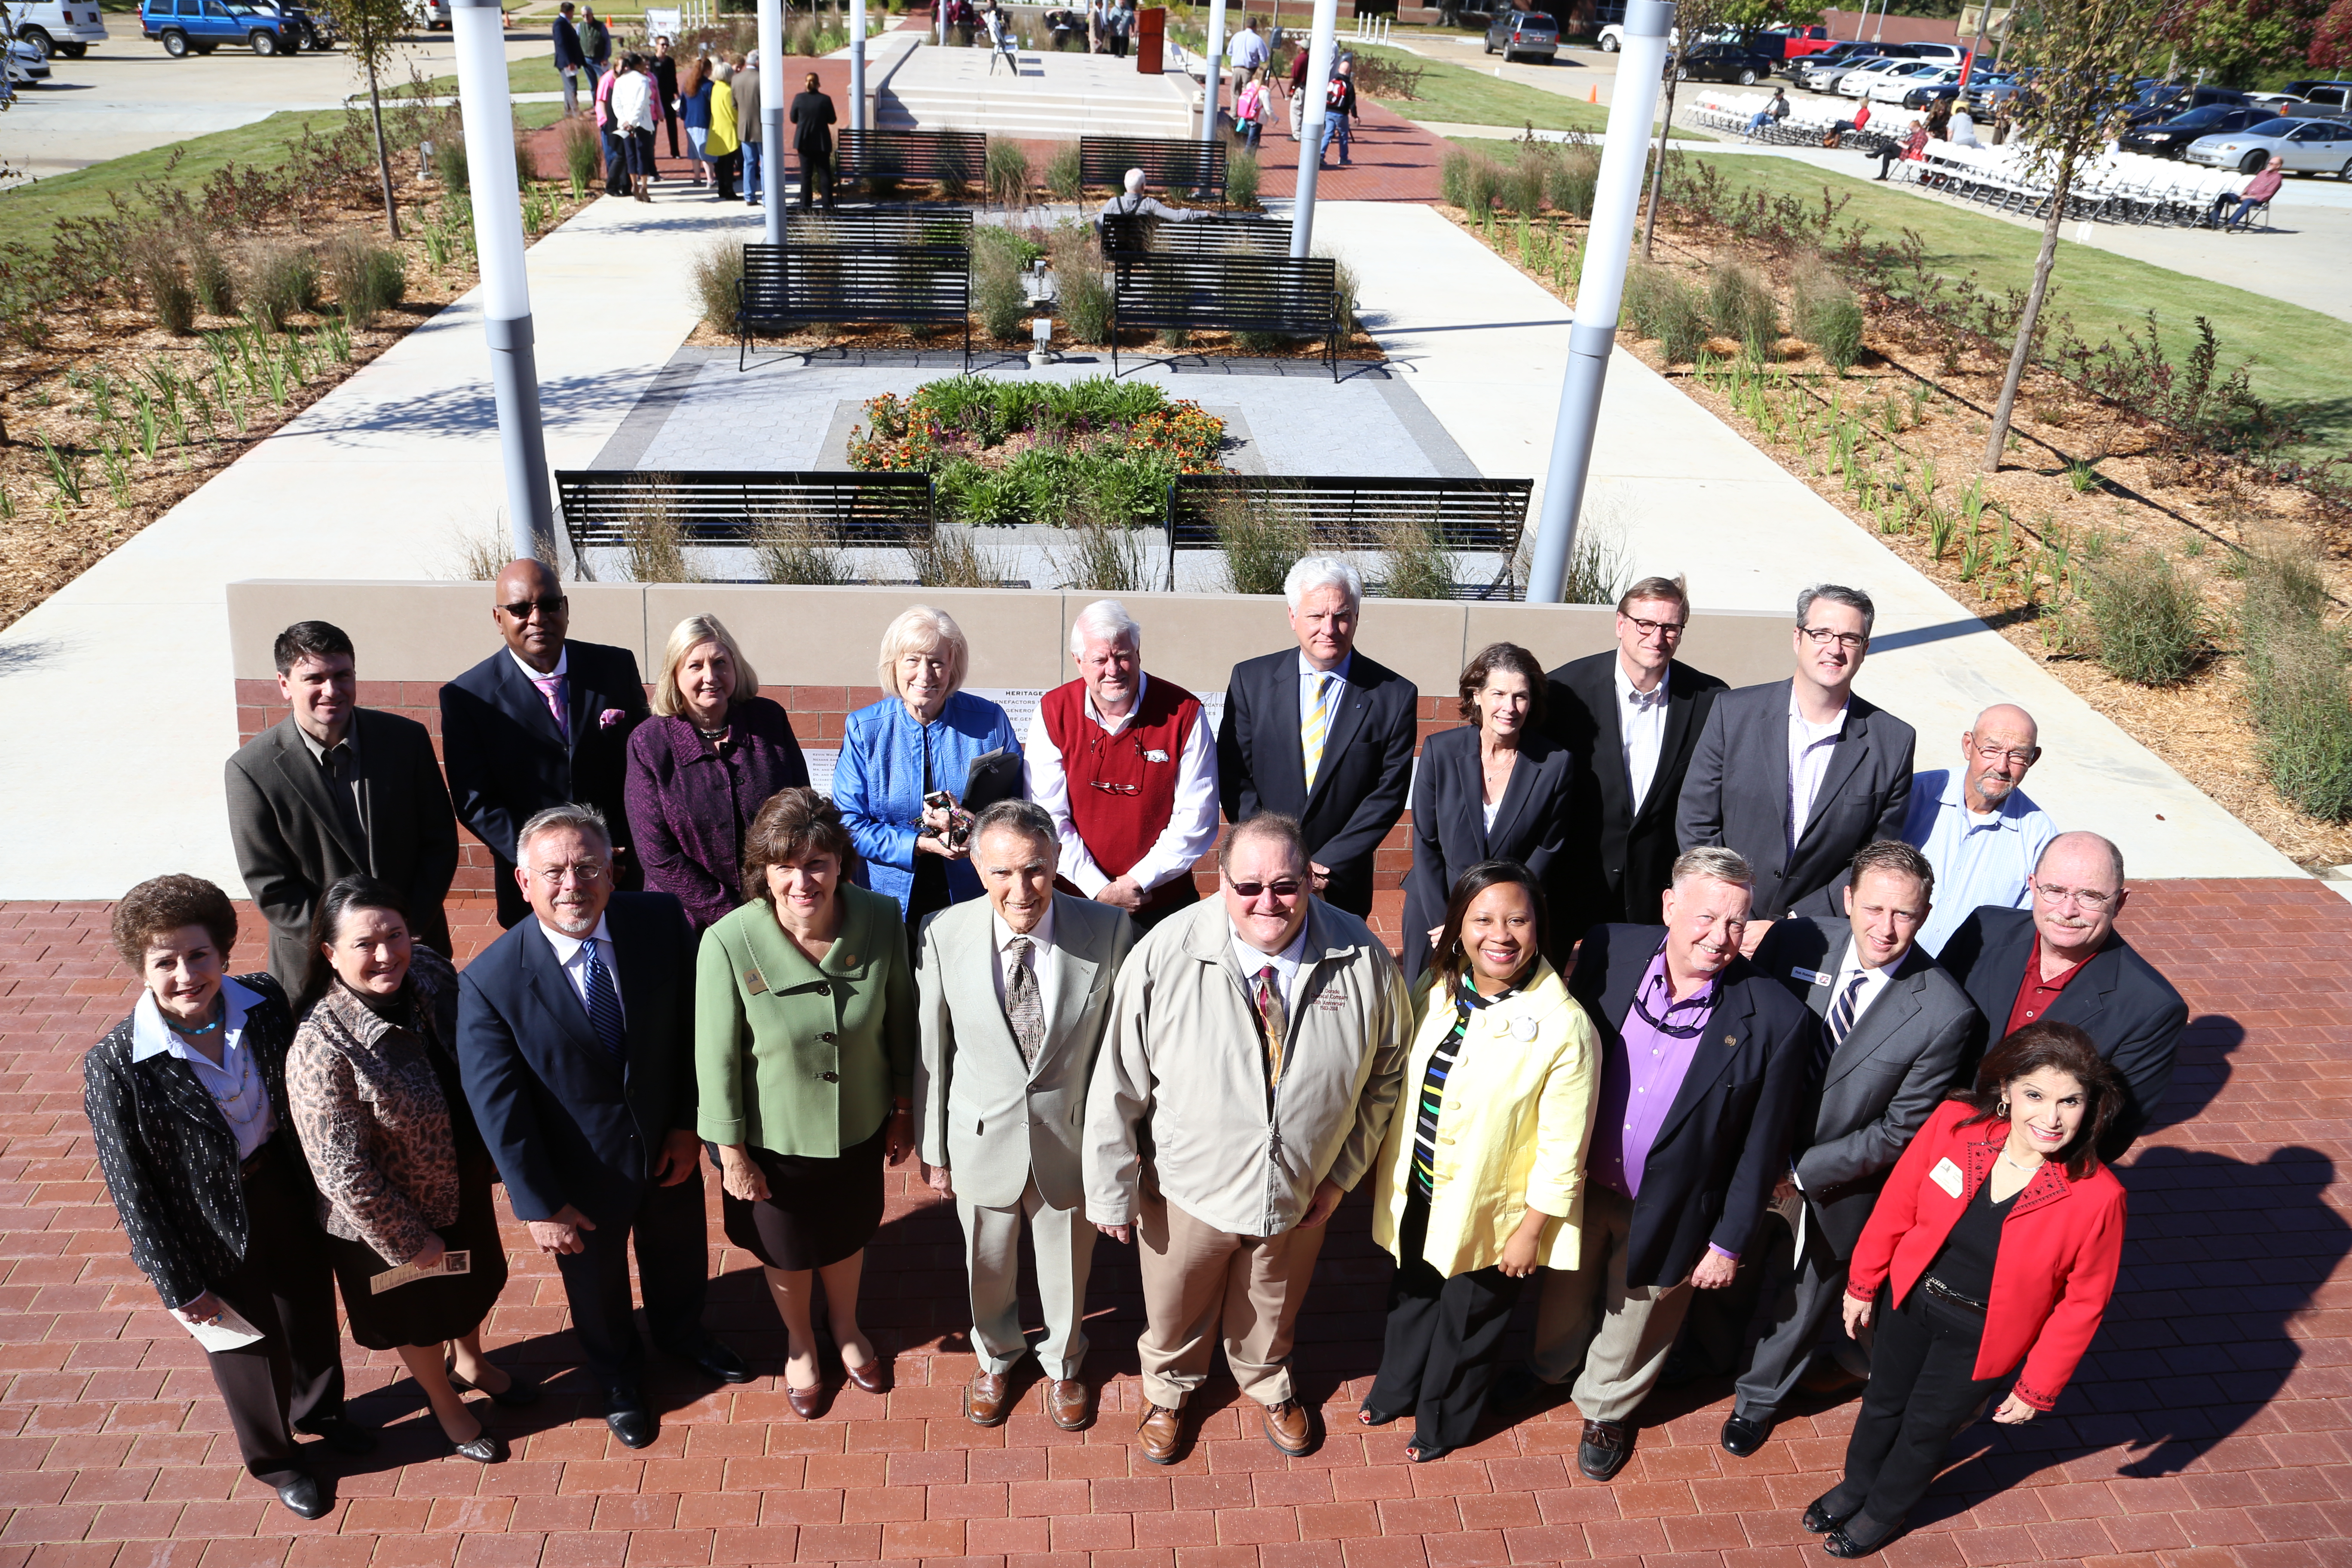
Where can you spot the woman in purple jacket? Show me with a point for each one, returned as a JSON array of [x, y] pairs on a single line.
[[702, 767]]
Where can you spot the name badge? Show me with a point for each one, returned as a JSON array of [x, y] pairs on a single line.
[[1947, 1175], [1812, 976], [1155, 755], [754, 982]]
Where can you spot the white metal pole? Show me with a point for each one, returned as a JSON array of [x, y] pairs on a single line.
[[1212, 79], [769, 64], [857, 64], [1616, 199], [1322, 50], [479, 34]]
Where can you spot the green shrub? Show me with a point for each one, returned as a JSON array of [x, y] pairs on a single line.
[[368, 279], [2306, 740], [152, 256], [1454, 180], [955, 180], [209, 275], [1596, 567], [954, 557], [801, 552], [999, 295], [1242, 181], [1414, 564], [2152, 629], [655, 544], [281, 282], [1824, 312], [1528, 176], [1569, 183], [715, 270], [1482, 185], [449, 161], [1343, 279], [583, 156], [1062, 173], [1008, 174], [1105, 555], [1261, 541], [526, 158], [1741, 307], [1082, 297], [1661, 306]]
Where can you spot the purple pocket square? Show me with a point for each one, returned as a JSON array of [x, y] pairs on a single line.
[[609, 717]]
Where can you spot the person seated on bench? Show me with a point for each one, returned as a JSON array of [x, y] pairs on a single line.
[[2258, 192], [1770, 115], [1134, 201]]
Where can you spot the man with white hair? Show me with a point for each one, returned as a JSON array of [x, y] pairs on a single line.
[[1976, 828], [1126, 765], [1321, 733], [1133, 200]]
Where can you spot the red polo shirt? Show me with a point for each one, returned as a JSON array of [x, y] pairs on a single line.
[[2035, 995]]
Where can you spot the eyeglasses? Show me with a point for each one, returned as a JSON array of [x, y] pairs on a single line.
[[550, 606], [1823, 637], [2017, 759], [1109, 788], [2089, 900], [1666, 629], [586, 874], [1285, 890]]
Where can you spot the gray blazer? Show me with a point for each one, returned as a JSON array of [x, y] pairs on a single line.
[[1879, 1086], [979, 1111], [1737, 795]]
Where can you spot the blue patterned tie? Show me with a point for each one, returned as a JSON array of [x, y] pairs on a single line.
[[1842, 1015], [604, 1004]]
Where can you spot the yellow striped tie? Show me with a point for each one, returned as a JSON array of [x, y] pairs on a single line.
[[1313, 728]]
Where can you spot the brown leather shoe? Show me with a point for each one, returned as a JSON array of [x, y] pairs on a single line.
[[1287, 1428], [1159, 1432], [986, 1399], [1069, 1402]]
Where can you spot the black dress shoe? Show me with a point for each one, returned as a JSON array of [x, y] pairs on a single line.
[[486, 1450], [1819, 1520], [344, 1437], [626, 1414], [305, 1496], [714, 1358], [1742, 1435], [1838, 1543], [1606, 1445]]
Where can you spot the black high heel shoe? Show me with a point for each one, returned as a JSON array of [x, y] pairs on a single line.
[[519, 1392], [1839, 1543], [1368, 1416], [1819, 1520]]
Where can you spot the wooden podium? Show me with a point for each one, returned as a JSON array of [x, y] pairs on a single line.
[[1151, 33]]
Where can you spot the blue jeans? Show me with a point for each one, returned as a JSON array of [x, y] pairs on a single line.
[[1758, 121], [752, 190], [2245, 205], [1334, 125]]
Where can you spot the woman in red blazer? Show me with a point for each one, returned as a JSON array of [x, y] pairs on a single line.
[[1996, 1240]]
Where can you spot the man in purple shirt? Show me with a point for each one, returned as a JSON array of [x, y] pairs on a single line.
[[1704, 1060]]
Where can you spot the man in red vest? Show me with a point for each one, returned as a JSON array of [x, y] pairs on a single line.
[[1128, 771]]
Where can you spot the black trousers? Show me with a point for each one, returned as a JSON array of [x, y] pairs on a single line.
[[816, 169], [1439, 1357], [284, 1287], [722, 172], [672, 1271], [669, 120], [1923, 1390]]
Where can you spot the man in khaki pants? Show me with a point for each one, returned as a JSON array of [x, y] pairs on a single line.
[[1255, 1047]]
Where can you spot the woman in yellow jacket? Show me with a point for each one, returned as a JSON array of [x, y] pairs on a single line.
[[1482, 1177], [725, 148]]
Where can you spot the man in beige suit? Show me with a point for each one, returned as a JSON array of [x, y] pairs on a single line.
[[1256, 1044], [1015, 990]]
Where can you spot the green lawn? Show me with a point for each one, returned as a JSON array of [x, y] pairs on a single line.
[[1461, 96], [535, 75]]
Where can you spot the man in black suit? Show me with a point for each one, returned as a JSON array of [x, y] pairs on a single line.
[[1704, 1060], [1798, 775], [575, 1037], [2064, 962], [332, 789], [1894, 1027], [544, 721], [1630, 718], [1321, 734]]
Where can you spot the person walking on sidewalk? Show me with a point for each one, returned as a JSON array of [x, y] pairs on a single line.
[[720, 142], [1338, 109], [812, 118]]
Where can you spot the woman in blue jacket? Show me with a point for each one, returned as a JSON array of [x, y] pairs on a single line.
[[920, 739]]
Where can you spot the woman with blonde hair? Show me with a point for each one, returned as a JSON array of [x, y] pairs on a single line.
[[701, 769], [724, 147], [920, 739]]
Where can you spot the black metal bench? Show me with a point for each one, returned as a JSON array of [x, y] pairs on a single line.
[[734, 508], [1353, 512], [1168, 162], [1296, 297], [802, 284], [943, 155], [882, 227], [1129, 234]]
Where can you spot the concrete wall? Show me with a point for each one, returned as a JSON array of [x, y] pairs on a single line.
[[816, 650]]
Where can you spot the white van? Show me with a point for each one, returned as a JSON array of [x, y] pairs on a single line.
[[65, 27]]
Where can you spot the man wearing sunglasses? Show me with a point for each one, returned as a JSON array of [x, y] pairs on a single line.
[[544, 721], [1256, 1046], [1798, 775], [2063, 961]]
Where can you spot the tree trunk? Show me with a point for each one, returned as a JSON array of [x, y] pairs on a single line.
[[1658, 170], [375, 108], [1998, 442]]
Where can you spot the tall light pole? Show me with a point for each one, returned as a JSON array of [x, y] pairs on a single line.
[[1615, 198], [770, 65], [479, 34], [1322, 48], [857, 64], [1213, 77]]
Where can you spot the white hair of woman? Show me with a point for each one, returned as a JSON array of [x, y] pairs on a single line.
[[1323, 572], [1104, 621], [921, 628]]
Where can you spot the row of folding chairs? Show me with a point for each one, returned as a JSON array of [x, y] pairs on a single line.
[[2114, 187]]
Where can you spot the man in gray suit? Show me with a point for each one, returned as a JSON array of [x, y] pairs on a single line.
[[1895, 1025], [1015, 993], [1798, 775]]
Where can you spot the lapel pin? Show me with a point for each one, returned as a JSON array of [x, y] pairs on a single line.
[[755, 983], [1731, 1039]]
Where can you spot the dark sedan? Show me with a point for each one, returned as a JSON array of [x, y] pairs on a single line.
[[2170, 138], [1725, 62]]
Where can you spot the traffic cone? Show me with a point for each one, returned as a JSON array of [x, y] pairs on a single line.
[[1592, 93]]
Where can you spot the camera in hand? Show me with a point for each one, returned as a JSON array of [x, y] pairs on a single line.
[[956, 835]]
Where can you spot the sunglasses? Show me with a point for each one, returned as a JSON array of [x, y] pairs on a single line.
[[550, 606], [1285, 888]]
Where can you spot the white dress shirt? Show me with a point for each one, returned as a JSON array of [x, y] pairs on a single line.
[[1288, 964], [1642, 722], [1809, 762], [572, 954], [233, 1082], [1978, 859], [1044, 959], [1192, 829], [563, 666]]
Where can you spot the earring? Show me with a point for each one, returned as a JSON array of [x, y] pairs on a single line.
[[2001, 1110]]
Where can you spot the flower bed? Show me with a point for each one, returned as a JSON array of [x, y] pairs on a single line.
[[1004, 452]]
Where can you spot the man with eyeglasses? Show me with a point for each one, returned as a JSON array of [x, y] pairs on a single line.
[[1256, 1044], [1128, 768], [544, 721], [1976, 828], [1629, 718], [2063, 961], [575, 1039], [1798, 775]]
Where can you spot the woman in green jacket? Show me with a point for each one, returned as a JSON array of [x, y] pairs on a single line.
[[804, 1045]]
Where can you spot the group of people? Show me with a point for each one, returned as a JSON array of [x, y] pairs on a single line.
[[1099, 26], [1780, 1060]]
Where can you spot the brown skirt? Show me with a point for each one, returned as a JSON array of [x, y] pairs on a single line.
[[817, 1212]]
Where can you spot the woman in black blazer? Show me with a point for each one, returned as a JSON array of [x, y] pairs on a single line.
[[187, 1108], [1496, 789]]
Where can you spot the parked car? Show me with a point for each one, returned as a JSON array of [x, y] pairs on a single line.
[[2171, 138], [1902, 89], [22, 64], [1612, 37], [1795, 66], [1515, 33], [199, 26], [1942, 54], [2164, 103], [2309, 147], [1723, 62], [1862, 83], [65, 27], [435, 14], [2328, 93], [1831, 78], [1785, 44]]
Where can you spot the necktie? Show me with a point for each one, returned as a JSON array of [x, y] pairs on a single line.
[[1313, 726], [604, 1004], [552, 688], [1024, 1008], [1842, 1015], [1268, 993]]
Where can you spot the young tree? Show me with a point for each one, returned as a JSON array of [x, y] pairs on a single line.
[[2083, 53], [1695, 22], [373, 31]]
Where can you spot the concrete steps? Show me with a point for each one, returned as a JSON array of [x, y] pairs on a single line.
[[1054, 97]]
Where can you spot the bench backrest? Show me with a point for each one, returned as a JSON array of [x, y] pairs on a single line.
[[912, 226], [912, 154], [1233, 292], [601, 505], [1136, 234], [856, 283], [1168, 162], [1350, 512]]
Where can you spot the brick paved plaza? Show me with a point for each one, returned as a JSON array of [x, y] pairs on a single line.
[[2211, 1425]]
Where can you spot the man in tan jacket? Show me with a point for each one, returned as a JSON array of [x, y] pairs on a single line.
[[1257, 1045]]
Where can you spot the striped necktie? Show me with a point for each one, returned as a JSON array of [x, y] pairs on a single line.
[[1268, 995], [1314, 726], [1842, 1015], [603, 1004]]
